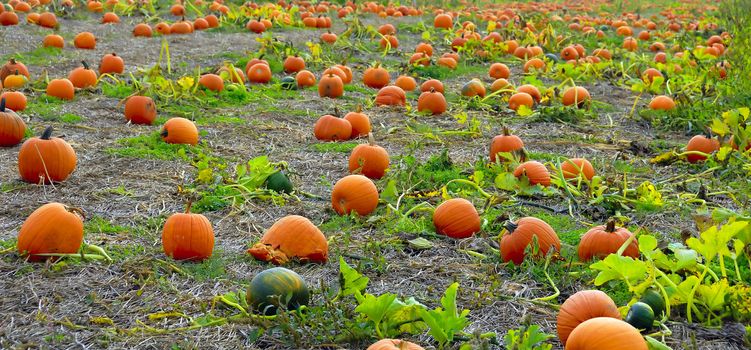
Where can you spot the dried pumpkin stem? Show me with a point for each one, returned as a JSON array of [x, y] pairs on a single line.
[[610, 226], [510, 226], [47, 133], [187, 208], [77, 211], [371, 139]]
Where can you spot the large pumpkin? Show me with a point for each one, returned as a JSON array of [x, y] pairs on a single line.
[[534, 171], [432, 101], [331, 128], [376, 77], [701, 143], [188, 236], [52, 228], [394, 344], [505, 143], [369, 159], [354, 193], [277, 287], [582, 306], [573, 167], [331, 86], [603, 240], [360, 123], [605, 333], [180, 131], [391, 96], [140, 110], [456, 218], [517, 236], [83, 77], [12, 127], [46, 159], [292, 237]]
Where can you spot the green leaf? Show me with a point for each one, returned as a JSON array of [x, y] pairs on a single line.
[[404, 317], [617, 267], [655, 344], [506, 181], [375, 307], [713, 295], [446, 322], [647, 243], [719, 127], [390, 192], [351, 281]]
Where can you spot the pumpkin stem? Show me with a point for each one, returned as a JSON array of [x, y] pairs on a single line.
[[371, 139], [77, 211], [12, 61], [506, 131], [164, 133], [2, 105], [47, 133], [358, 109], [187, 208], [432, 90], [85, 65], [610, 226], [114, 54], [510, 226]]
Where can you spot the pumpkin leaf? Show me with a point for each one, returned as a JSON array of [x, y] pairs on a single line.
[[506, 181], [713, 295], [719, 127], [351, 281], [374, 308], [390, 193], [654, 344], [617, 267], [404, 317], [444, 323]]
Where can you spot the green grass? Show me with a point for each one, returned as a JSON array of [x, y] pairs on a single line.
[[212, 268], [98, 224], [150, 146], [119, 91], [568, 231], [38, 57], [335, 147]]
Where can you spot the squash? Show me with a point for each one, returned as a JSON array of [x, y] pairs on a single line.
[[188, 236], [279, 182], [291, 237], [582, 306], [277, 287], [46, 159], [517, 236], [354, 193], [288, 83], [12, 127], [52, 228], [369, 159], [179, 130], [605, 333], [394, 344], [535, 172], [456, 218], [603, 240], [641, 316], [505, 143]]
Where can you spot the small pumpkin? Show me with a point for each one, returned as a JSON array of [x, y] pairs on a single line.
[[46, 159], [61, 88], [163, 28], [111, 64], [419, 58], [376, 77], [84, 40], [293, 64], [701, 143], [456, 218], [51, 229], [424, 48], [447, 62], [140, 110], [14, 100], [498, 71], [331, 128], [432, 101], [532, 91], [331, 86], [517, 236], [520, 99], [53, 40], [354, 193], [360, 123], [443, 21], [391, 96], [582, 306], [110, 18], [605, 333], [369, 159], [641, 316], [662, 102], [279, 182], [305, 79], [12, 127], [259, 73], [179, 130], [142, 30], [291, 237], [15, 81], [188, 236], [535, 172], [505, 143], [574, 167], [474, 87], [655, 301], [212, 82], [83, 77], [603, 240], [277, 287], [389, 41], [13, 67], [394, 344], [328, 37], [406, 83], [347, 73], [576, 95]]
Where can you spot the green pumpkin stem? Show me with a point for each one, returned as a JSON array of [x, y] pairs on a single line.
[[610, 226], [506, 131], [510, 226], [85, 65], [47, 133]]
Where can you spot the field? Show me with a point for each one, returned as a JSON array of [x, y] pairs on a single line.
[[388, 272]]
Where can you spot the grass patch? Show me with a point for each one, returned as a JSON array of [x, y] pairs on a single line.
[[568, 231], [119, 91], [98, 224], [336, 147], [38, 57], [150, 146]]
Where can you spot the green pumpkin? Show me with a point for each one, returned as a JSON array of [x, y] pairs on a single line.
[[289, 83], [652, 298], [553, 57], [277, 287], [279, 182], [641, 316]]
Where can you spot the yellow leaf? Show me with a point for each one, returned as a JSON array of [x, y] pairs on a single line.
[[664, 158], [491, 26], [719, 128]]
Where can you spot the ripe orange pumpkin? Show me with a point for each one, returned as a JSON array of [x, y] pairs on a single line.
[[520, 99], [360, 123], [424, 48], [575, 95], [13, 67], [702, 144], [573, 167], [84, 40], [419, 58], [406, 83], [212, 82], [305, 79], [179, 130], [51, 229], [293, 64], [331, 86], [474, 87], [83, 77], [432, 84], [140, 110], [517, 236], [12, 127], [110, 17], [532, 91], [14, 100], [501, 84], [394, 344], [505, 143], [111, 64], [47, 20], [61, 88], [259, 73], [391, 96], [53, 40], [432, 101], [650, 74], [456, 218], [328, 37], [376, 77], [46, 159], [291, 237], [331, 128], [662, 102], [163, 28], [188, 236], [389, 41], [447, 62], [443, 21], [369, 159], [142, 30], [535, 171], [582, 306], [605, 333], [603, 240], [534, 64], [354, 193]]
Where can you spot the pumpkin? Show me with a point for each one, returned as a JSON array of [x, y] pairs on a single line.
[[432, 101], [443, 21], [328, 37], [605, 333], [569, 53], [212, 82], [15, 81], [14, 100], [387, 29], [520, 99], [474, 87], [83, 77], [447, 62], [179, 130], [406, 83], [354, 193], [419, 58], [360, 123], [140, 110], [650, 74], [424, 48], [12, 127], [376, 77], [293, 64], [110, 17], [337, 71], [432, 84], [53, 40], [51, 229], [391, 96], [177, 10], [574, 167], [305, 79], [389, 41], [84, 40], [517, 236], [654, 300], [279, 182], [505, 143], [61, 88], [331, 128], [394, 344], [288, 83], [456, 218], [8, 18], [259, 73], [701, 143], [575, 95], [181, 27], [369, 159], [277, 287], [111, 64], [47, 20], [603, 240], [498, 71], [188, 236], [532, 91], [347, 78], [582, 306], [662, 102], [534, 64], [163, 28], [46, 159], [535, 172], [13, 67], [641, 316], [291, 237], [236, 76], [200, 24], [331, 86], [212, 20], [142, 30]]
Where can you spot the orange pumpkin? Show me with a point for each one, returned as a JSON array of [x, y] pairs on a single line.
[[13, 67], [432, 101], [662, 102], [369, 159], [603, 240], [331, 86], [389, 41], [179, 130], [163, 28], [61, 88], [432, 85], [534, 64], [354, 193], [360, 123], [517, 236], [12, 127], [291, 237], [83, 77], [474, 87], [582, 306], [376, 77], [505, 143], [520, 99], [500, 84], [111, 64], [701, 143], [140, 110], [424, 48], [574, 167], [212, 82], [576, 95], [605, 333], [534, 171], [456, 218], [259, 73], [328, 37], [531, 90], [51, 229], [14, 100], [391, 96], [47, 20], [46, 159], [53, 40], [406, 83], [293, 64], [394, 344], [331, 128], [447, 62], [142, 30], [84, 40], [188, 236], [305, 79], [110, 18], [443, 21]]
